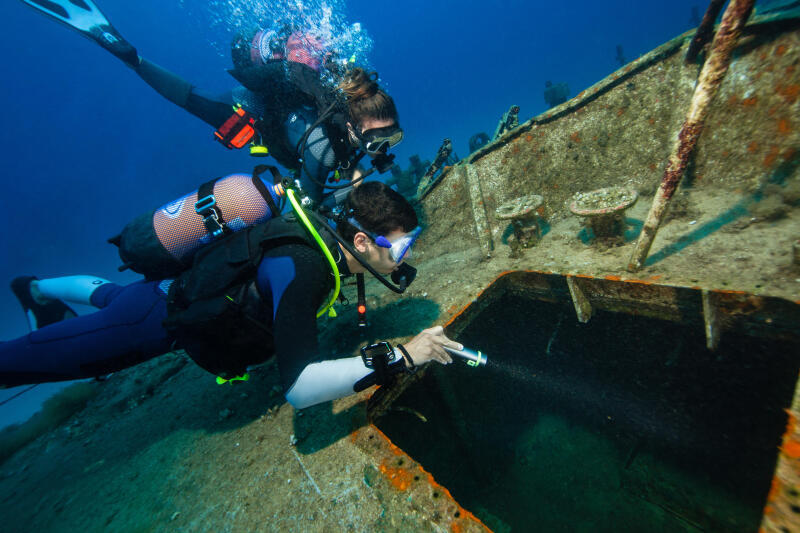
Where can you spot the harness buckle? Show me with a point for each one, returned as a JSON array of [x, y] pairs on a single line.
[[207, 208]]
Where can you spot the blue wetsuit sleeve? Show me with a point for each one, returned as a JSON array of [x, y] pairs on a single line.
[[298, 279]]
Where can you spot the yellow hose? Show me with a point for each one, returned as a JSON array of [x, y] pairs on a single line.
[[299, 211]]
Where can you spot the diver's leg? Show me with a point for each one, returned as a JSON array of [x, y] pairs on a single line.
[[180, 92], [86, 18], [127, 330], [74, 289], [39, 311]]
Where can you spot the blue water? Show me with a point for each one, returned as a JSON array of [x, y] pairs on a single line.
[[86, 145]]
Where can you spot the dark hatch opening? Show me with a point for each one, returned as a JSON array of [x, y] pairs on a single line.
[[625, 423]]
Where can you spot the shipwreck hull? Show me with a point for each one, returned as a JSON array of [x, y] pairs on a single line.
[[672, 389]]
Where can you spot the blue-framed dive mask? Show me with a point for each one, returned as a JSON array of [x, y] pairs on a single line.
[[399, 248]]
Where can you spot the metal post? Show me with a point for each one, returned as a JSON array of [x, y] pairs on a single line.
[[705, 30], [711, 76]]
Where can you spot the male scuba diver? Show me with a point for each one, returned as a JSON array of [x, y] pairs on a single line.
[[283, 106], [246, 297]]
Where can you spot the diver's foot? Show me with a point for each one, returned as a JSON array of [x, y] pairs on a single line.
[[40, 311], [109, 38], [87, 19]]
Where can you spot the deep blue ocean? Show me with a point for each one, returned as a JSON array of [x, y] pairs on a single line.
[[86, 145]]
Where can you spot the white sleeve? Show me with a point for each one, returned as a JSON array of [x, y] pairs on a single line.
[[325, 381]]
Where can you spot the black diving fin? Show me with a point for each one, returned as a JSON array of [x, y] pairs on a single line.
[[86, 18]]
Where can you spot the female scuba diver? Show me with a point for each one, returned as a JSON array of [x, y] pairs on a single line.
[[283, 106], [254, 294]]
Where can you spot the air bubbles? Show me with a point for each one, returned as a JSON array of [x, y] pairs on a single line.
[[323, 19]]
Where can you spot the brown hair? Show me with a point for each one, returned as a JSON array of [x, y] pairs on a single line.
[[379, 209], [365, 99]]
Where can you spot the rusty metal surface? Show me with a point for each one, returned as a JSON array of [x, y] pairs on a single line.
[[400, 473], [619, 133], [782, 510]]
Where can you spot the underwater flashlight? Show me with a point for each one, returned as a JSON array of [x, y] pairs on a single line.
[[473, 358]]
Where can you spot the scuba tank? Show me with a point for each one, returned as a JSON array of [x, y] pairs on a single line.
[[161, 243]]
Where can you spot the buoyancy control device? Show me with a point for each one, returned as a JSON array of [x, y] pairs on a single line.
[[161, 243]]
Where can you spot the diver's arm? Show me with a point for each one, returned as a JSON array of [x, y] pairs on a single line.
[[325, 381], [328, 380]]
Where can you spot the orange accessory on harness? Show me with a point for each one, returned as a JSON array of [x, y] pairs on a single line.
[[237, 130]]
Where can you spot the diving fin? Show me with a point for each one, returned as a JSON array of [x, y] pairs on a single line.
[[86, 18], [39, 314]]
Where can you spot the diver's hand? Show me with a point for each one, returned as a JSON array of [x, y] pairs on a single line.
[[427, 346]]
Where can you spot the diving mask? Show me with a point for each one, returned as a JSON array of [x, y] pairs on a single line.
[[377, 141], [399, 248]]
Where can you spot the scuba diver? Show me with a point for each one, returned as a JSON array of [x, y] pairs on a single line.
[[284, 106], [246, 297]]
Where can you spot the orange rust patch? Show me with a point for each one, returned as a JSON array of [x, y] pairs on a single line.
[[465, 515], [780, 50], [752, 147], [791, 449], [770, 158], [651, 120], [529, 137], [400, 478], [750, 101], [651, 166], [725, 153], [789, 92], [515, 149], [540, 211], [613, 278], [620, 111], [452, 309], [791, 424], [655, 278], [763, 56], [627, 69], [575, 137], [774, 488], [783, 126], [580, 94]]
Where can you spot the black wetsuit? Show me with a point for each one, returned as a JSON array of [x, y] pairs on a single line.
[[285, 111], [293, 281]]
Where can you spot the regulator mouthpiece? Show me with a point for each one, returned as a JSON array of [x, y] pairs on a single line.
[[472, 357]]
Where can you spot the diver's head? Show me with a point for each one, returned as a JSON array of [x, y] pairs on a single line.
[[373, 124], [381, 225]]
